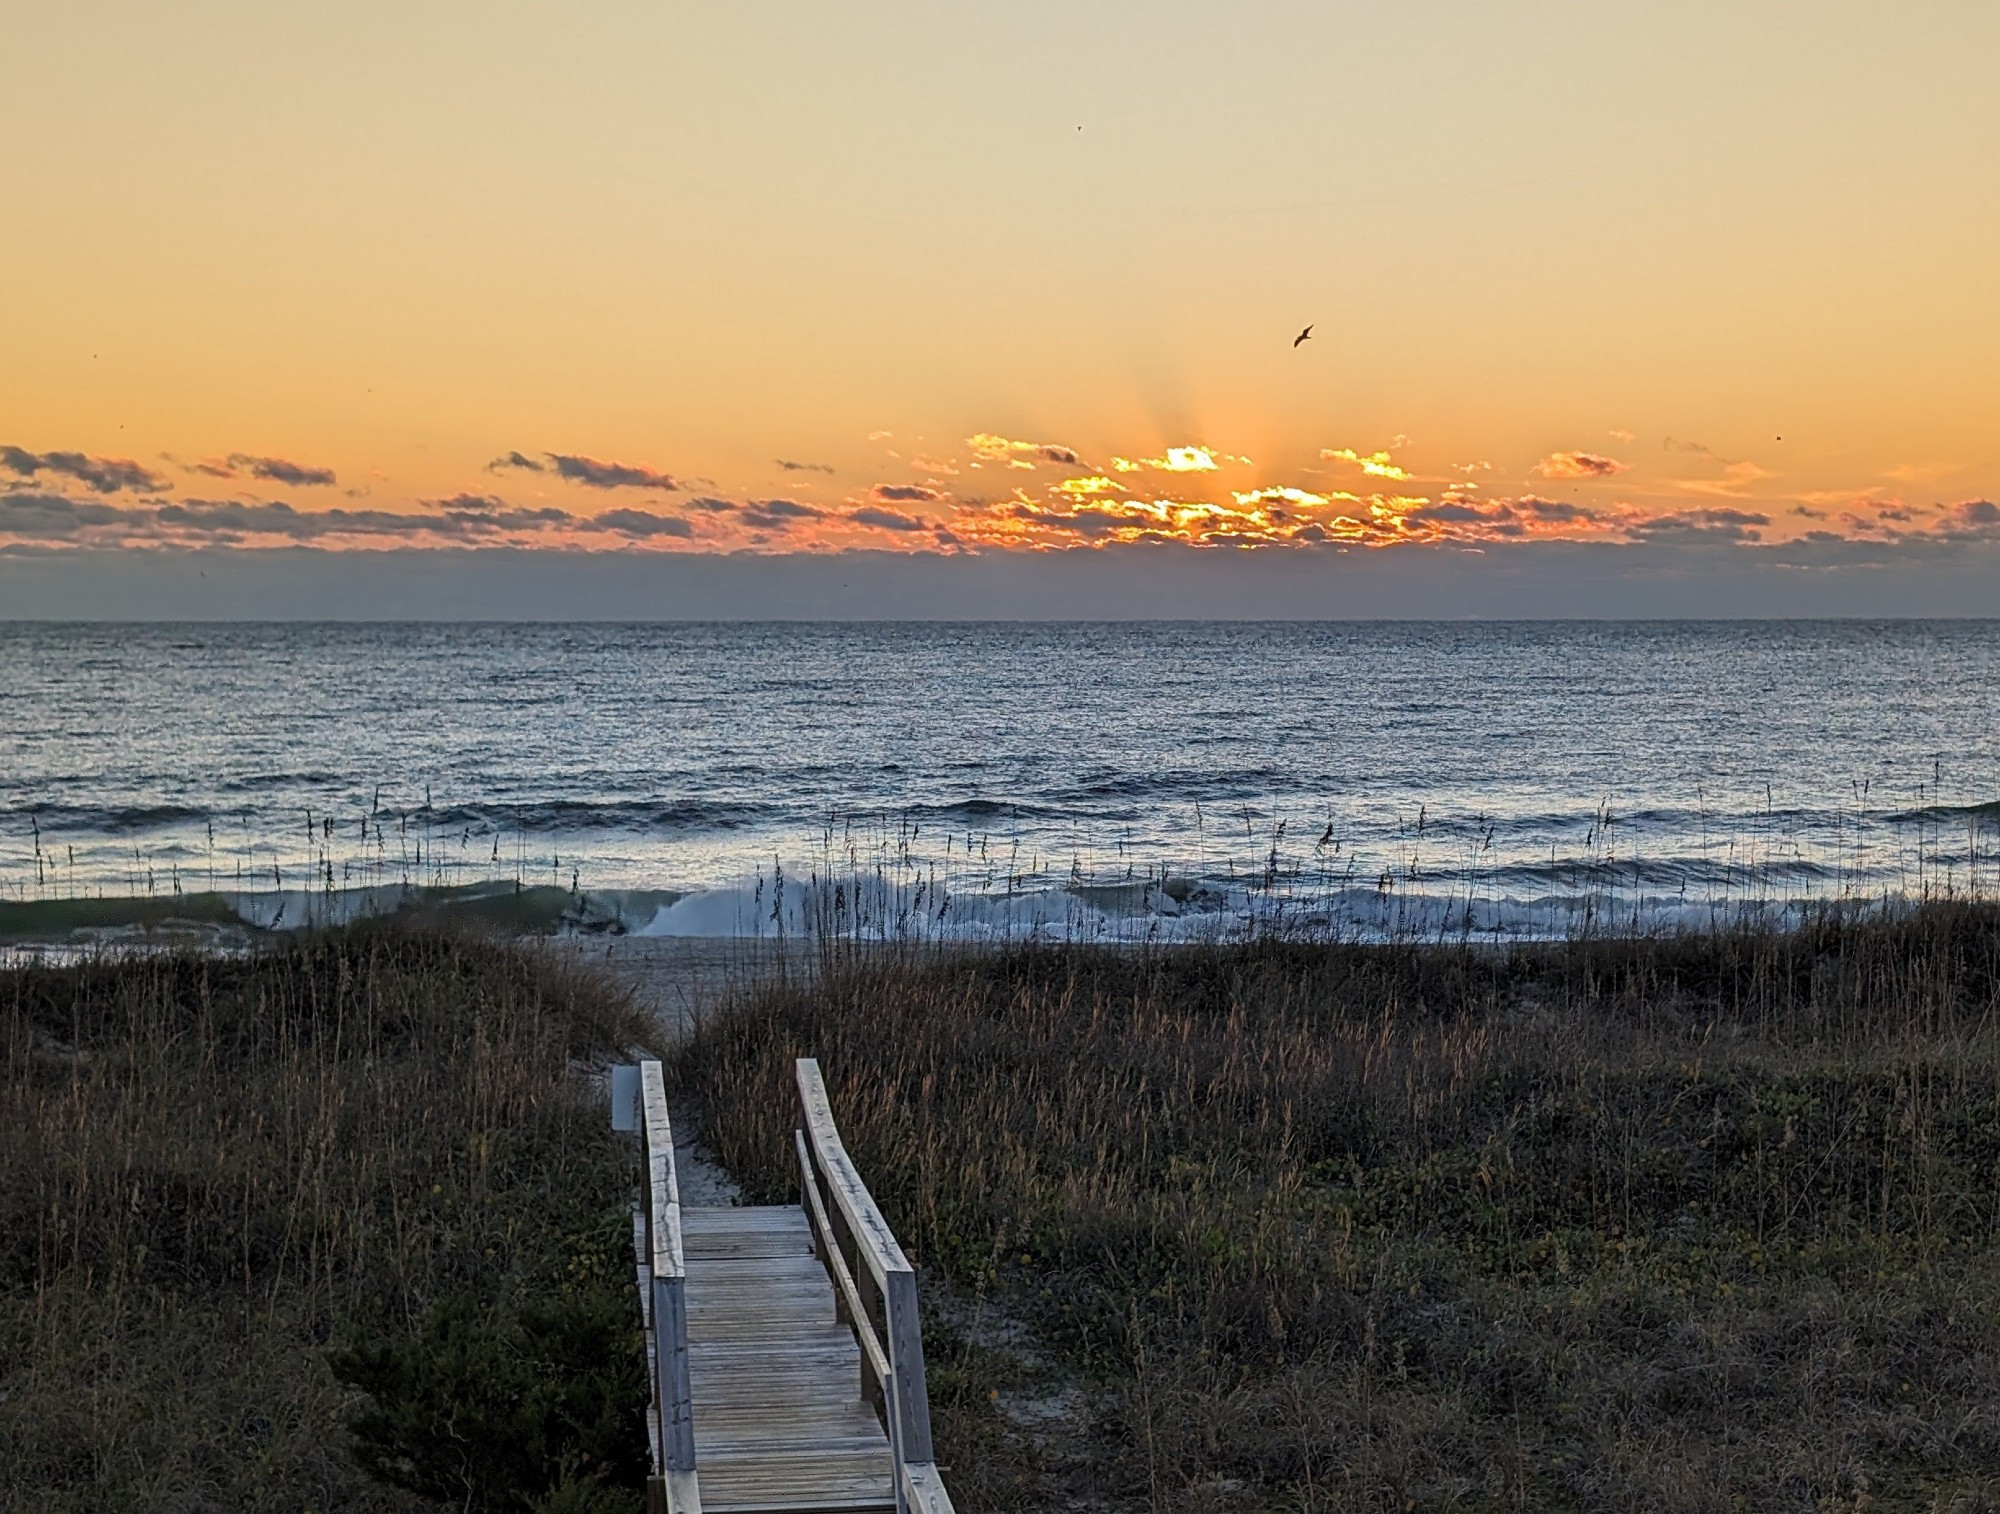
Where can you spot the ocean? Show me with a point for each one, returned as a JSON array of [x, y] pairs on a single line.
[[1089, 780]]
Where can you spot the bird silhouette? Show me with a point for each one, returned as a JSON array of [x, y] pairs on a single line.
[[1303, 335]]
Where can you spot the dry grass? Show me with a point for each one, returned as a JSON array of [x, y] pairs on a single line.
[[211, 1170], [1700, 1224]]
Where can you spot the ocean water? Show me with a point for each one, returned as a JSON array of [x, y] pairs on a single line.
[[1084, 779]]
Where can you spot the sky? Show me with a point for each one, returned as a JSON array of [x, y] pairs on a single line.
[[1613, 307]]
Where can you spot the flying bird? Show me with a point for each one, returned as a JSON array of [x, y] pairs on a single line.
[[1303, 335]]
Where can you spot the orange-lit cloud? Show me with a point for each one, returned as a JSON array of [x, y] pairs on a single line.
[[906, 493], [1736, 477], [1374, 464], [1578, 465], [1188, 459], [1089, 487], [999, 449]]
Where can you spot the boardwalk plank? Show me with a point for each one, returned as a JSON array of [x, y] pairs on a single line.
[[779, 1426]]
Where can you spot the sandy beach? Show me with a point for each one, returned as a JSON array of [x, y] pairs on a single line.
[[673, 978]]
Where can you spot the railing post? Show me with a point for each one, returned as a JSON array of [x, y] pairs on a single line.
[[674, 1483], [676, 1406], [904, 1333]]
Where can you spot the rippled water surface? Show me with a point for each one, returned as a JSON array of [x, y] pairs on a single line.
[[1514, 769]]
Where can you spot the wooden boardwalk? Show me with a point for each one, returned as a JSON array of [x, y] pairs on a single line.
[[782, 1341]]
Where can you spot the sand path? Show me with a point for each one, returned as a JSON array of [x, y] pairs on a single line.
[[676, 978]]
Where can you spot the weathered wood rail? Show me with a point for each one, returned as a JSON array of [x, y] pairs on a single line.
[[783, 1344]]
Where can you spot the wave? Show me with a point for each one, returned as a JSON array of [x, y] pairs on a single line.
[[636, 816], [100, 820], [1180, 910], [1937, 814], [238, 917], [904, 906]]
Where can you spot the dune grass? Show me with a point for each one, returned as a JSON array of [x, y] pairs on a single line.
[[1692, 1224], [222, 1179]]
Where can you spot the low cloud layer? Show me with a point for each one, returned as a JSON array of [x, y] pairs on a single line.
[[47, 518], [1036, 498]]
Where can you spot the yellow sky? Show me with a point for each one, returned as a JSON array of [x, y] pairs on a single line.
[[1594, 270]]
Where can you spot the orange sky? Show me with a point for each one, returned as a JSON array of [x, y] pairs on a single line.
[[898, 276]]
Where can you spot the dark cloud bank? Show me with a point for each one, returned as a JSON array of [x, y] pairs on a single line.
[[1660, 578]]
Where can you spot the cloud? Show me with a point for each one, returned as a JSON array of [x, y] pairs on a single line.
[[470, 502], [776, 514], [1298, 499], [643, 523], [906, 494], [791, 467], [593, 474], [465, 518], [1457, 512], [52, 516], [1973, 520], [887, 520], [999, 449], [1716, 524], [238, 518], [1620, 434], [1736, 477], [1558, 510], [1578, 465], [1912, 473], [1089, 521], [279, 471], [488, 514], [1085, 488], [103, 475], [1374, 464], [276, 469]]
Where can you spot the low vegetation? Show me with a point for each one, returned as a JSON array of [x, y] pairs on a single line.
[[333, 1226], [1692, 1224]]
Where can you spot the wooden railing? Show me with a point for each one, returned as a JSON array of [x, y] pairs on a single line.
[[875, 1293], [673, 1487]]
